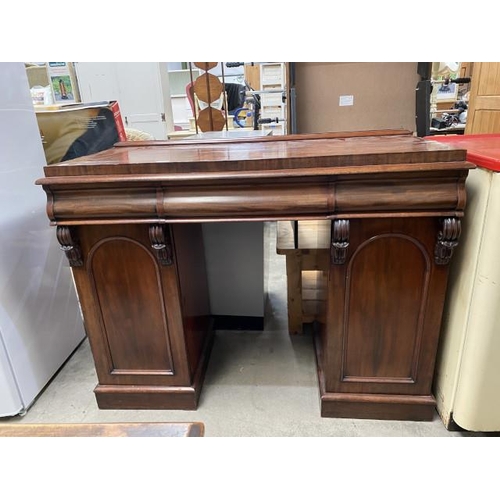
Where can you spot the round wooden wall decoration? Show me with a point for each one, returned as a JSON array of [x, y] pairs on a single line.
[[206, 66], [207, 88], [211, 119]]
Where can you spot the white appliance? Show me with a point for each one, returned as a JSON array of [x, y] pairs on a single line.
[[467, 383], [40, 321]]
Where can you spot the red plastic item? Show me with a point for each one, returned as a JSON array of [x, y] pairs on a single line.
[[482, 149]]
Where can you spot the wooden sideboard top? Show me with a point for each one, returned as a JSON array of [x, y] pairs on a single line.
[[309, 176], [257, 155]]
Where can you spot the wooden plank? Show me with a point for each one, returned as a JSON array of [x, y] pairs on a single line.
[[315, 260], [314, 292], [156, 429], [484, 104], [294, 292], [314, 233], [314, 285], [313, 310], [285, 237], [281, 138], [252, 76]]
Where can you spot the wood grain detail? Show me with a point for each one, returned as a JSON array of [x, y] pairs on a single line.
[[208, 88], [372, 406], [484, 103], [261, 156], [211, 119], [252, 196], [488, 120], [205, 66], [144, 397], [386, 294], [134, 320]]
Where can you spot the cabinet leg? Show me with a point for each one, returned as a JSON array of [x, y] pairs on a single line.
[[294, 292]]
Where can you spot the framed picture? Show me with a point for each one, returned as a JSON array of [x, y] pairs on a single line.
[[61, 82], [447, 92]]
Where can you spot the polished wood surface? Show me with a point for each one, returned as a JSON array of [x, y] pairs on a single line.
[[435, 188], [302, 178], [254, 155], [193, 288], [146, 326], [386, 311], [280, 138], [128, 220], [130, 303], [150, 429]]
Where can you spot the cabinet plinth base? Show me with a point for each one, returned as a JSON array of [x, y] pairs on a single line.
[[154, 397], [371, 406], [377, 406], [132, 397]]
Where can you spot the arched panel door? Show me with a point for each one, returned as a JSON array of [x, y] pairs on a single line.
[[384, 311], [385, 306], [133, 309], [134, 319]]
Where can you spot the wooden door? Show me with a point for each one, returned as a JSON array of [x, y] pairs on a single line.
[[131, 303], [384, 313], [483, 115]]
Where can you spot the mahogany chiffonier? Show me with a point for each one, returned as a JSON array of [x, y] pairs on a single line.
[[129, 221]]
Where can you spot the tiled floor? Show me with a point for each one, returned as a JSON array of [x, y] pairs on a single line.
[[257, 384]]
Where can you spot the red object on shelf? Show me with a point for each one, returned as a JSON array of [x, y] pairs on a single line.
[[115, 108], [482, 149]]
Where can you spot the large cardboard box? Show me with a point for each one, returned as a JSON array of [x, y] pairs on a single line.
[[71, 131]]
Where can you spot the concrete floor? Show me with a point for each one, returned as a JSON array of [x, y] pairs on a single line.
[[257, 384]]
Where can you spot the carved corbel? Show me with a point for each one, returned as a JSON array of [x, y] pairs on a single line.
[[159, 235], [340, 241], [447, 240], [69, 245]]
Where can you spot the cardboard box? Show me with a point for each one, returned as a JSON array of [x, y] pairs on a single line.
[[71, 131]]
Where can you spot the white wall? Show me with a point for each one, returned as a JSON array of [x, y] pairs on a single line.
[[234, 253], [141, 89]]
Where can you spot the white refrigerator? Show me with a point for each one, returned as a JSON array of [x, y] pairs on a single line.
[[40, 320], [467, 381]]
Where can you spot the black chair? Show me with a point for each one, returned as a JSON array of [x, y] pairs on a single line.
[[235, 96]]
